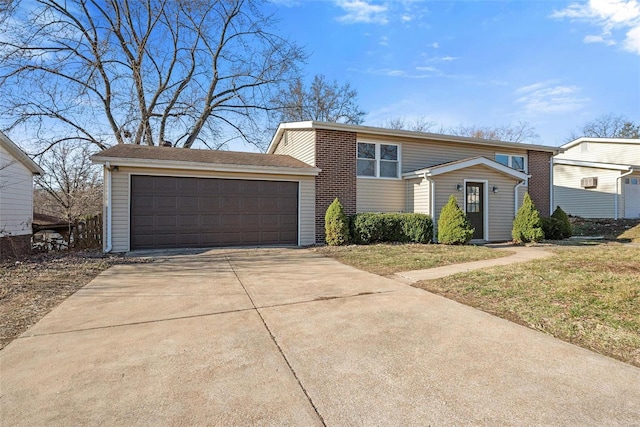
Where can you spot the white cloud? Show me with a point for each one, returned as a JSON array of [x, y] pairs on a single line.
[[435, 45], [548, 97], [361, 11], [431, 69], [406, 18], [612, 16], [384, 41]]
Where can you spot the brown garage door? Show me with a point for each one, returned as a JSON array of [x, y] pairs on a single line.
[[176, 212]]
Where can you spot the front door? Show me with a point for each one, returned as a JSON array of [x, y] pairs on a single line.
[[475, 208]]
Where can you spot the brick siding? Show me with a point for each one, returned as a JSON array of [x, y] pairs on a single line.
[[336, 156], [539, 184]]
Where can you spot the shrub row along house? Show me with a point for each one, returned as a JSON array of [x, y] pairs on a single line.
[[163, 197]]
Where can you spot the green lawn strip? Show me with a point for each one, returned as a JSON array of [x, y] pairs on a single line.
[[385, 259], [589, 296]]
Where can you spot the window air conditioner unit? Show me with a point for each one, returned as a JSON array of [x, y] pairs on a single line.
[[591, 182]]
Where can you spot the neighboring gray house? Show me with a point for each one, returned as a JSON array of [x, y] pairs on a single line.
[[163, 197], [598, 178], [16, 198]]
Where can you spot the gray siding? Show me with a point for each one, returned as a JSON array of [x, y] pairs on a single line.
[[16, 196], [585, 202], [380, 195], [121, 196], [299, 144]]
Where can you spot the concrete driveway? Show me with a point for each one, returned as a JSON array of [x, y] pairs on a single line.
[[287, 337]]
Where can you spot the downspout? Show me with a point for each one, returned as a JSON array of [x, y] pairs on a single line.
[[107, 209], [515, 198], [432, 203], [551, 200], [616, 204]]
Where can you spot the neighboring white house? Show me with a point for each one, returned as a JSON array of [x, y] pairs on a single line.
[[598, 178], [16, 198]]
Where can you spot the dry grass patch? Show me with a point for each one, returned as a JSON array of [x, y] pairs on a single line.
[[587, 295], [386, 259], [632, 234], [32, 287]]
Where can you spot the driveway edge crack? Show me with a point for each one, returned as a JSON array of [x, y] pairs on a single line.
[[273, 338]]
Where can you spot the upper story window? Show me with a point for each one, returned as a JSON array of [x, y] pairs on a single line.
[[378, 160], [518, 163]]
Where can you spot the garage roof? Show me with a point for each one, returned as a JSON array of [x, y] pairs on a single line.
[[188, 158]]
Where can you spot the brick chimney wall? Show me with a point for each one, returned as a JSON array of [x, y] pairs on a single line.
[[539, 183], [336, 156]]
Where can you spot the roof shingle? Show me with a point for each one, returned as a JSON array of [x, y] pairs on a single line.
[[145, 152]]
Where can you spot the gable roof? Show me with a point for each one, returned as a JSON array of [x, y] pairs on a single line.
[[20, 155], [603, 140], [378, 131], [466, 163], [189, 158]]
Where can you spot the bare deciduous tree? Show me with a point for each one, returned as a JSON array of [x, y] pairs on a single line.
[[519, 132], [420, 124], [322, 100], [71, 186], [119, 71], [608, 126]]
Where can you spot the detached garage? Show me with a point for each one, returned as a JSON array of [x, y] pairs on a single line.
[[163, 197]]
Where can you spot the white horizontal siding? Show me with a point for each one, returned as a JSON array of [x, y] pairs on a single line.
[[604, 152], [380, 195], [16, 196], [585, 202], [299, 144], [121, 197]]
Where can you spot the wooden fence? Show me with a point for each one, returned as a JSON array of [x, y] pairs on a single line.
[[87, 233]]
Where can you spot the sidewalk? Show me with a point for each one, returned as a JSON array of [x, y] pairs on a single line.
[[521, 254]]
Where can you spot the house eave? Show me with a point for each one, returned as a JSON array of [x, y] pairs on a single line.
[[452, 167], [597, 165], [603, 140], [200, 166], [20, 155]]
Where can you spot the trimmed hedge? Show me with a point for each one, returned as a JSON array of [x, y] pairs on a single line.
[[453, 226], [565, 224], [336, 225], [552, 228], [527, 226], [367, 228]]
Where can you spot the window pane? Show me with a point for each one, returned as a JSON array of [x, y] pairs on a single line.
[[366, 151], [501, 158], [517, 163], [634, 181], [388, 152], [388, 169], [366, 167]]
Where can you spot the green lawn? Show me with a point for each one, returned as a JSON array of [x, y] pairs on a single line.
[[586, 295], [385, 259]]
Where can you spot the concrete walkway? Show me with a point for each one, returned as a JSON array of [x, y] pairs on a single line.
[[520, 254], [288, 337]]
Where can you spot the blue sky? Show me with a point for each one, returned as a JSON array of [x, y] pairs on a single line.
[[553, 64]]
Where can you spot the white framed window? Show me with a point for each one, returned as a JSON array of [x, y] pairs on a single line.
[[632, 181], [378, 160], [518, 163]]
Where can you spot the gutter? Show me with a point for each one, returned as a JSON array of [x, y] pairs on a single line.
[[515, 197], [107, 210], [616, 203]]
